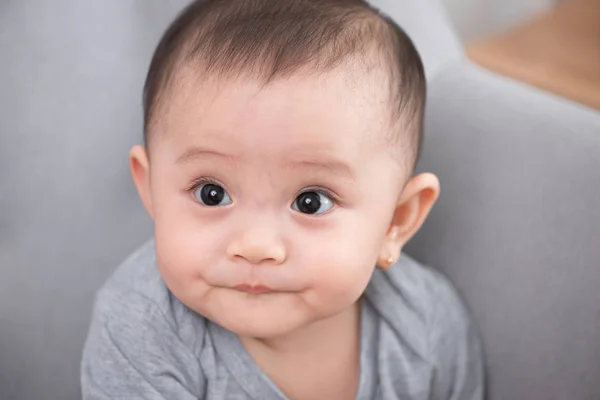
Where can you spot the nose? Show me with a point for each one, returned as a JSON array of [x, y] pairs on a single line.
[[258, 246]]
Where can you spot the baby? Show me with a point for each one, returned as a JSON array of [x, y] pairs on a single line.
[[280, 143]]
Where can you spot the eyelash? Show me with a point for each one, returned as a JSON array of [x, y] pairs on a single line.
[[207, 180], [203, 181], [335, 198]]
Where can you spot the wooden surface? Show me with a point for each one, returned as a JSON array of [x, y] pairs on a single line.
[[559, 51]]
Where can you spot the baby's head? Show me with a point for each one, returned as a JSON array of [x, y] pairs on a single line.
[[281, 138]]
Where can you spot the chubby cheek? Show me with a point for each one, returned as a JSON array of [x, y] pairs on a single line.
[[183, 248], [342, 262], [342, 279]]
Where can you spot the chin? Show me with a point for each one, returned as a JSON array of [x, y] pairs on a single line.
[[261, 327], [258, 332], [264, 316]]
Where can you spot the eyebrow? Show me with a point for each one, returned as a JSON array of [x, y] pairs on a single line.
[[194, 153], [332, 166]]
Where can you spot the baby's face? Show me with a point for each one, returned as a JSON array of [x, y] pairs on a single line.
[[271, 203]]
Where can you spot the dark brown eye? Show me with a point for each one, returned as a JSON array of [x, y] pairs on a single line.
[[312, 203], [212, 195]]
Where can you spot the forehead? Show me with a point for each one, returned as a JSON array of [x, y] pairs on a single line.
[[342, 111]]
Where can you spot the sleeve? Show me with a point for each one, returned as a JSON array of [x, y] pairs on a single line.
[[133, 352], [455, 348]]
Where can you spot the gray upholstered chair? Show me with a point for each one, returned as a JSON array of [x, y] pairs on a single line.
[[517, 227]]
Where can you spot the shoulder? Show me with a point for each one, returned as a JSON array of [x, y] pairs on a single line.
[[421, 301], [135, 296], [138, 273], [134, 288], [423, 288], [141, 339], [423, 307]]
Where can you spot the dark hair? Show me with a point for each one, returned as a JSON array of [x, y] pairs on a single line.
[[277, 38]]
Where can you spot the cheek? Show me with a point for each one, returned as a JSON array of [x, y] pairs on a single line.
[[339, 276], [185, 244], [341, 260], [345, 276]]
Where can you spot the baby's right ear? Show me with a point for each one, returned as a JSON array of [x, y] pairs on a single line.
[[140, 171]]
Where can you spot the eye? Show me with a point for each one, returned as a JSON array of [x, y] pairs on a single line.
[[312, 203], [211, 194]]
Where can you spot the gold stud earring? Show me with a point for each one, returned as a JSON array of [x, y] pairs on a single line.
[[390, 261]]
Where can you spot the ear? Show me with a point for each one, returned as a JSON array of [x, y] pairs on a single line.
[[417, 199], [140, 171]]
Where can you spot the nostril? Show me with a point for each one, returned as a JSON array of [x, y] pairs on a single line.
[[257, 249], [257, 259]]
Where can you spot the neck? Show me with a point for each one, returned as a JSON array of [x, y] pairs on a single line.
[[342, 329], [325, 353]]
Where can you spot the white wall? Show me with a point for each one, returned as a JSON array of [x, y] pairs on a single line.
[[477, 18]]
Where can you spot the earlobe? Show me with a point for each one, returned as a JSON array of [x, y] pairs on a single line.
[[140, 172], [416, 201]]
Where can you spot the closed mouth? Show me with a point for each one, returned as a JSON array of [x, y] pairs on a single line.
[[254, 289]]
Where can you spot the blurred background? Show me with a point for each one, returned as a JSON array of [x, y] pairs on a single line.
[[512, 130], [475, 19], [552, 44]]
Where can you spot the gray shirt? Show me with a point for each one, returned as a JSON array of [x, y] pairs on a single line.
[[417, 342]]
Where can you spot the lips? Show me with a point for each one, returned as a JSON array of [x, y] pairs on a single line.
[[254, 289]]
